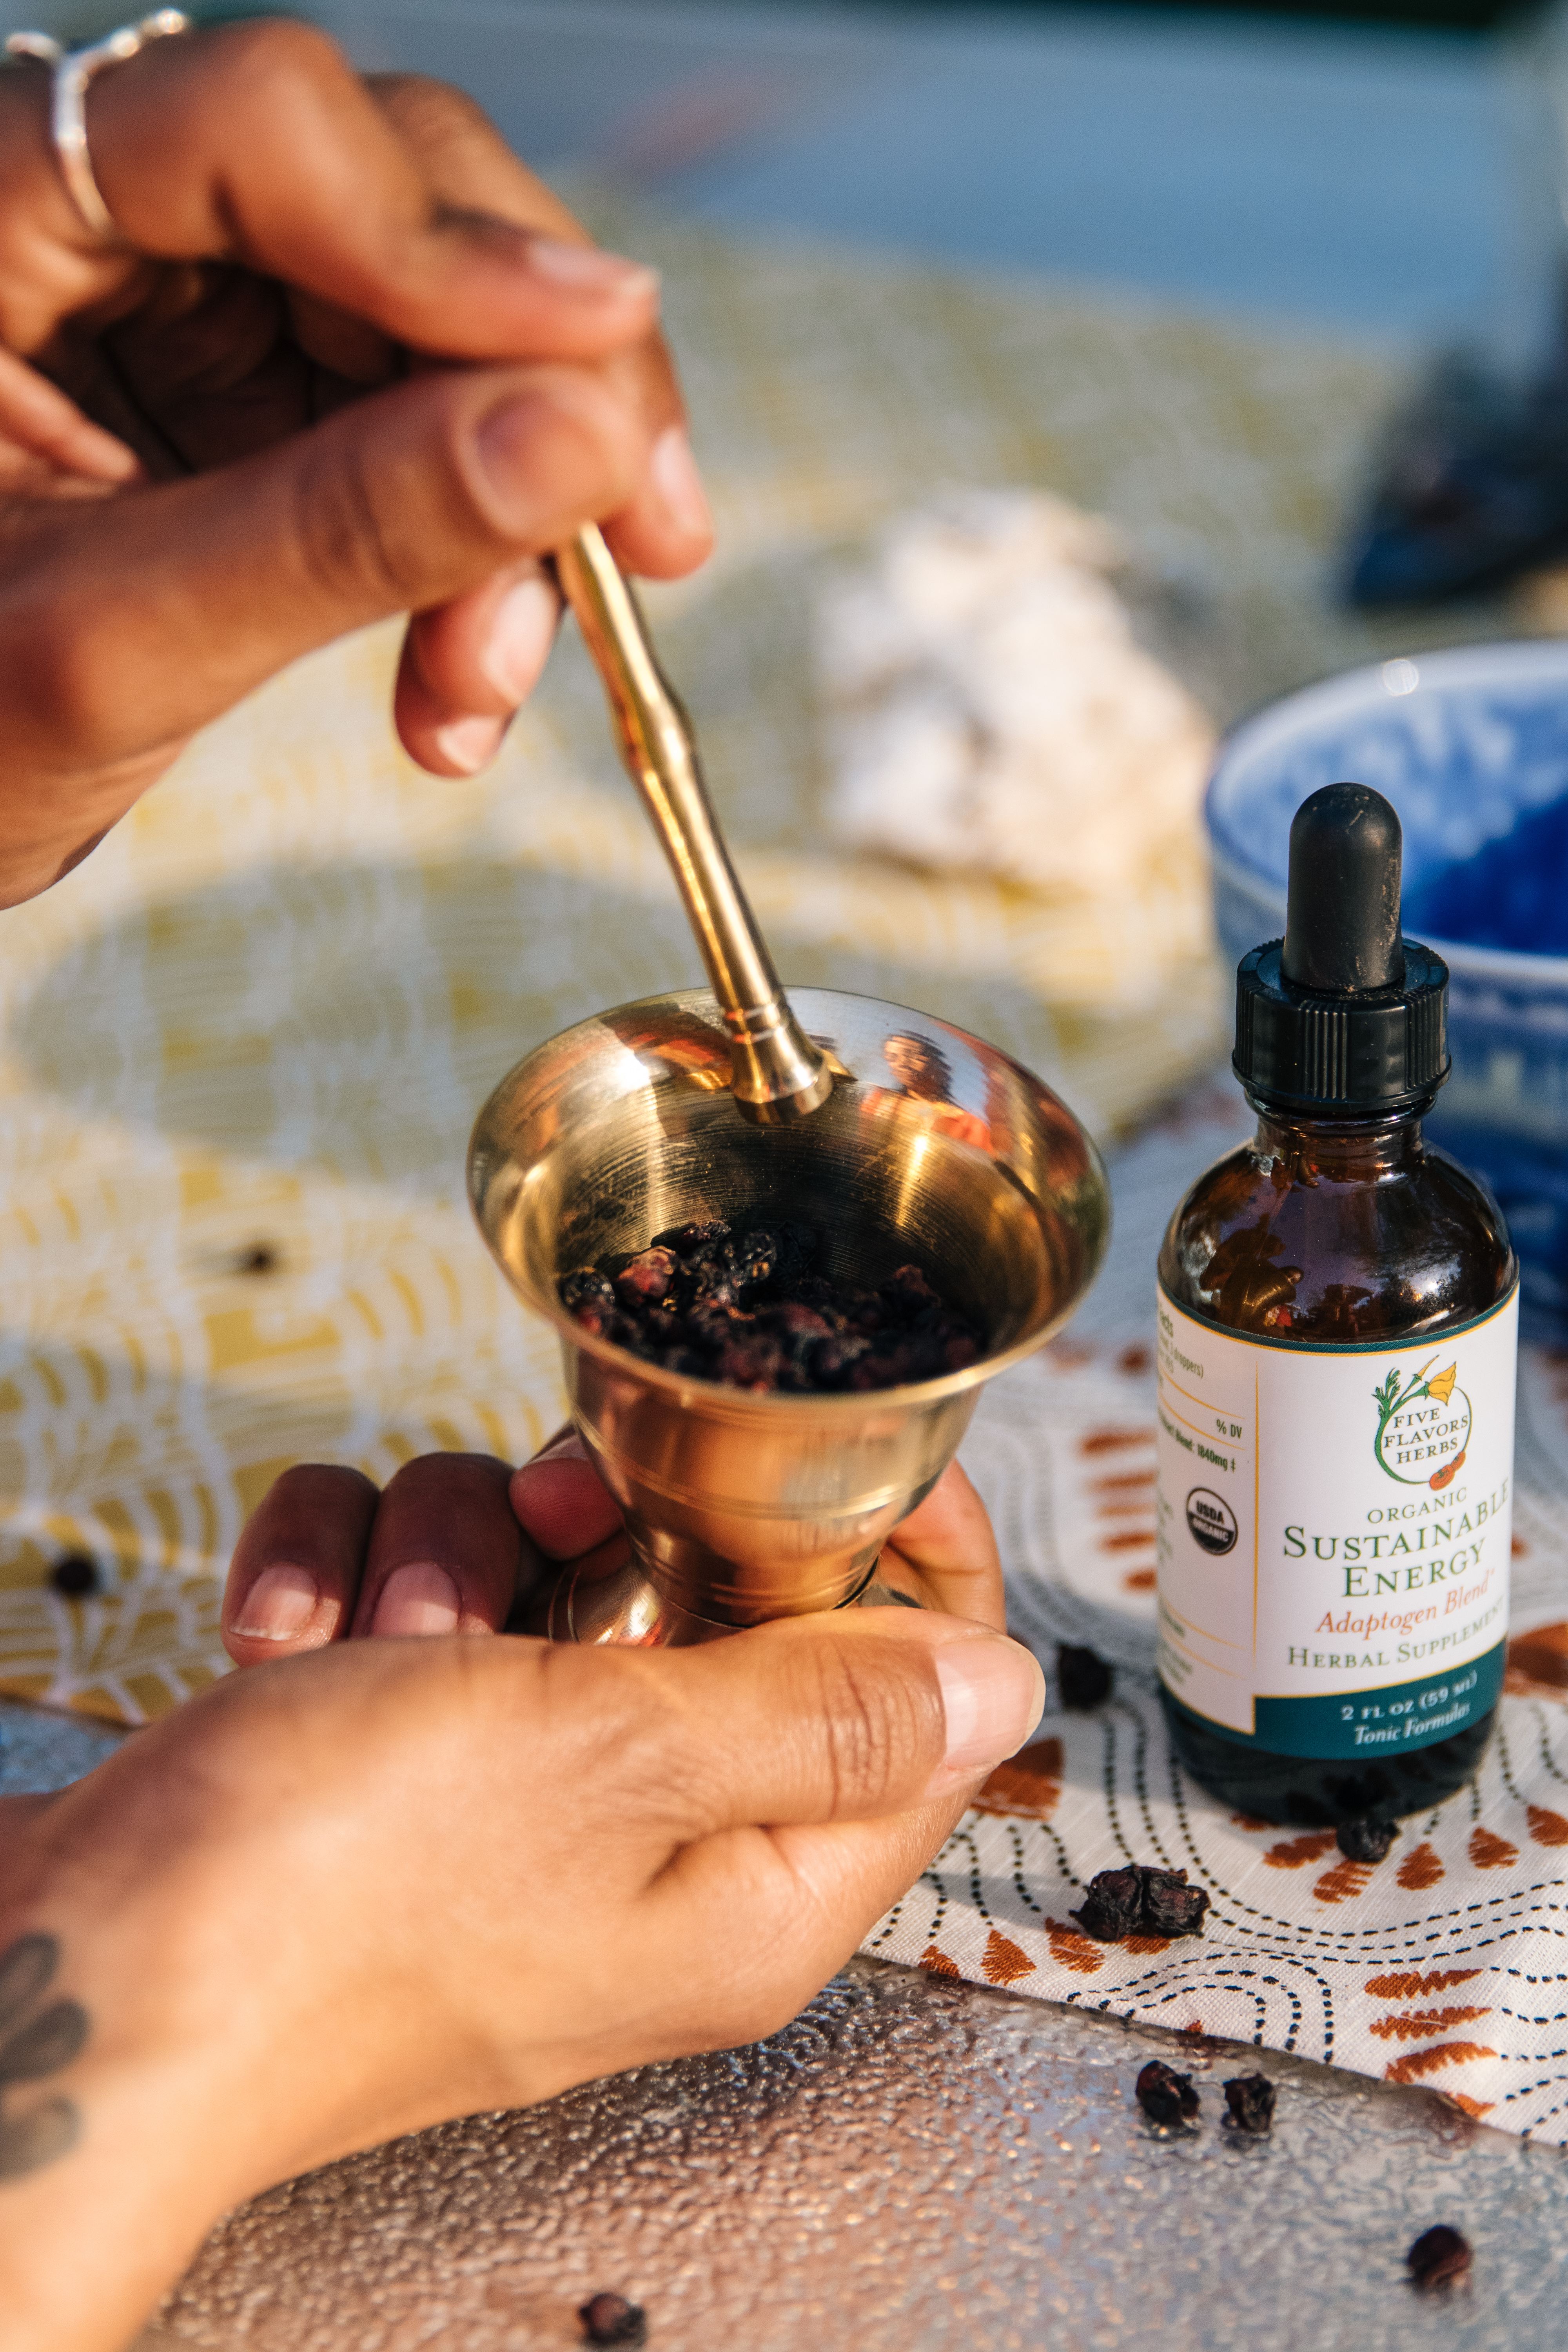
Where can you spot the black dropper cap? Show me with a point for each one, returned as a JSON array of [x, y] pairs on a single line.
[[1343, 1014]]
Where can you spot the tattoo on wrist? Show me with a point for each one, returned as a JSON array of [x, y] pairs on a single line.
[[36, 2041]]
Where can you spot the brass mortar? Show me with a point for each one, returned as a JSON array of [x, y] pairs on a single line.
[[742, 1507]]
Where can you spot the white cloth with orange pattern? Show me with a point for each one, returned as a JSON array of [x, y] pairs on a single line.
[[1445, 1964]]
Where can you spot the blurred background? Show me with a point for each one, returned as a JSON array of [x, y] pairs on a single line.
[[1353, 176], [1265, 305]]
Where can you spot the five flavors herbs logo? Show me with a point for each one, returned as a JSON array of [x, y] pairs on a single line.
[[1423, 1426]]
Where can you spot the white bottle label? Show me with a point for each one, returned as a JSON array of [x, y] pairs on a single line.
[[1334, 1533]]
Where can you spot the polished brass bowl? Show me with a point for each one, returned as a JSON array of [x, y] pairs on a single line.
[[933, 1149]]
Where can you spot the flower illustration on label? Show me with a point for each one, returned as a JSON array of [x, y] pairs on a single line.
[[1423, 1426]]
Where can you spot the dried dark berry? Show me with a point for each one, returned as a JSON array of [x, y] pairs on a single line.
[[753, 1361], [710, 1281], [1250, 2098], [798, 1326], [1172, 1907], [75, 1576], [716, 1248], [1141, 1901], [880, 1368], [611, 2319], [1439, 2255], [609, 1323], [1165, 2097], [585, 1286], [756, 1259], [1083, 1678], [687, 1240], [1366, 1838], [261, 1257], [923, 1355], [644, 1280], [907, 1293], [835, 1359], [1113, 1906]]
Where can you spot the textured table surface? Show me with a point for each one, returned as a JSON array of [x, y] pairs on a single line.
[[911, 2163]]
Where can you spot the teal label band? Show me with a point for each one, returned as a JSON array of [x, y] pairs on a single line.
[[1390, 1722]]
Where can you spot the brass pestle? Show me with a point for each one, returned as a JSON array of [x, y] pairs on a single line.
[[778, 1073], [716, 1102]]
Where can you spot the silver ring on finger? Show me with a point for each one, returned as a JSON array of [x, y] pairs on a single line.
[[72, 70]]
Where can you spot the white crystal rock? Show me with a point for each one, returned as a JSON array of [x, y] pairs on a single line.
[[992, 710]]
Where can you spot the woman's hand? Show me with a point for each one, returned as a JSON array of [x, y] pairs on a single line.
[[456, 1543], [347, 359], [354, 1892]]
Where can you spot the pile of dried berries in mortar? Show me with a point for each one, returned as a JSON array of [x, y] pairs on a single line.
[[750, 1309], [1141, 1901]]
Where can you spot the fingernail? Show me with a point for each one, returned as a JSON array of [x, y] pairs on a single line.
[[679, 483], [279, 1603], [588, 269], [417, 1599], [469, 743], [522, 634], [994, 1694]]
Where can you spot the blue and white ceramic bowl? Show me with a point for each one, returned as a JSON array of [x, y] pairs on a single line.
[[1471, 747]]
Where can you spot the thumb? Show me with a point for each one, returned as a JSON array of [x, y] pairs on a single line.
[[410, 496], [833, 1762], [878, 1712]]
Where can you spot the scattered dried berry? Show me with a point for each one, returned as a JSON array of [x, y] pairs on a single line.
[[1172, 1907], [1366, 1838], [259, 1258], [1083, 1679], [1165, 2097], [1440, 2255], [1114, 1906], [611, 2319], [1250, 2098], [750, 1309], [75, 1577], [1141, 1901]]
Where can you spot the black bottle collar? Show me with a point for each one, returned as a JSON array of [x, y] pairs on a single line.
[[1375, 1050]]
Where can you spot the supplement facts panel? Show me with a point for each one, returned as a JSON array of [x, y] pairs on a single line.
[[1208, 1581]]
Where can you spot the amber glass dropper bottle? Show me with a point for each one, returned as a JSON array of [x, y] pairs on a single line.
[[1338, 1305]]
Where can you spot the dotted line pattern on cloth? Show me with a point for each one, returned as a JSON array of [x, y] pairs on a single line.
[[1411, 1968]]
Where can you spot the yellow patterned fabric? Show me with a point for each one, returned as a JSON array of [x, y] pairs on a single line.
[[244, 1043]]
